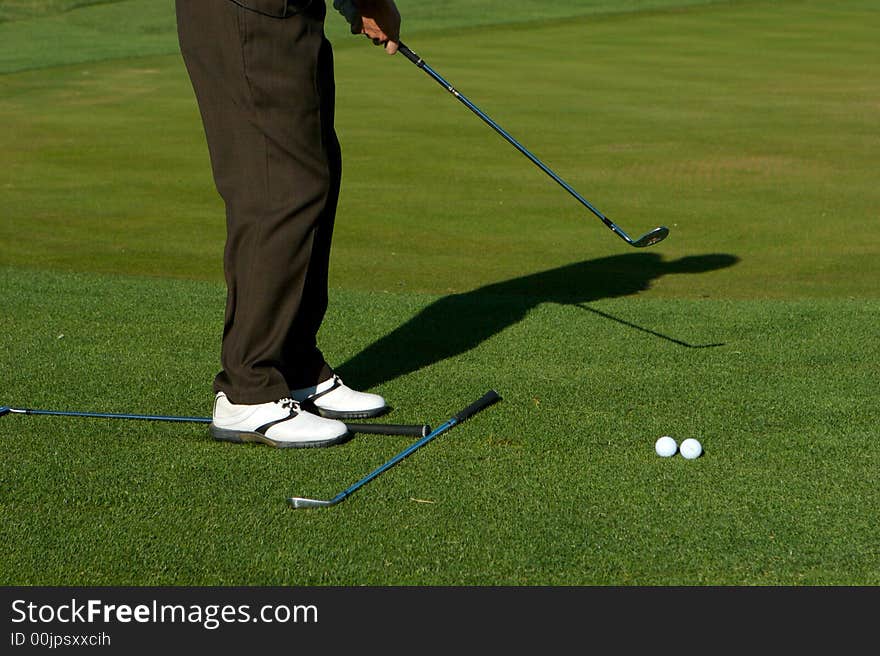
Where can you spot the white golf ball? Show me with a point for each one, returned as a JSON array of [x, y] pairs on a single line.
[[665, 446], [691, 448]]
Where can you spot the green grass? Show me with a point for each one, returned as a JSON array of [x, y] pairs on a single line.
[[749, 128], [11, 10], [556, 485], [729, 136], [41, 33]]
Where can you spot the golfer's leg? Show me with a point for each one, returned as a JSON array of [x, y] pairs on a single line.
[[255, 80], [311, 379], [304, 364]]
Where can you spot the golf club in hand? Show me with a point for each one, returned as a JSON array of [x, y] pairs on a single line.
[[648, 239]]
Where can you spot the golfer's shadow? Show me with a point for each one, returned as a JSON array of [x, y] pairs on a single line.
[[455, 324]]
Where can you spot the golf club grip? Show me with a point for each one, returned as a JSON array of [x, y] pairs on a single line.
[[485, 401], [415, 430], [409, 54]]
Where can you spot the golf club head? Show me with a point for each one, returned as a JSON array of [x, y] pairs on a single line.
[[4, 410], [300, 502], [653, 237]]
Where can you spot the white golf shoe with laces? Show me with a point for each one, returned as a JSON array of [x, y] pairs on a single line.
[[282, 424], [336, 400]]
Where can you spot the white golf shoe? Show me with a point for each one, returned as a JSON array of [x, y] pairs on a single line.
[[335, 399], [281, 424]]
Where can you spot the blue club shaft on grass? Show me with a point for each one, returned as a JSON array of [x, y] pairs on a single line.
[[108, 415], [382, 429], [485, 401], [388, 465]]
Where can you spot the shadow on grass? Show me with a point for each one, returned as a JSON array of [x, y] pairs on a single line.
[[455, 324]]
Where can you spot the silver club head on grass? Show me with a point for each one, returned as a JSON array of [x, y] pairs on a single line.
[[300, 502], [5, 409]]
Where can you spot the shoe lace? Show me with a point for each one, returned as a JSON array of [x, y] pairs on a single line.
[[289, 404]]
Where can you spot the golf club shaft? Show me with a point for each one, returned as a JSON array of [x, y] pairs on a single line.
[[418, 61], [417, 430], [484, 401], [108, 415]]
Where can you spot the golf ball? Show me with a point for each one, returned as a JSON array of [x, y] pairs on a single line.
[[691, 448], [665, 446]]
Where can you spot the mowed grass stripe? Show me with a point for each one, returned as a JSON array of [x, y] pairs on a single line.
[[97, 30], [659, 119]]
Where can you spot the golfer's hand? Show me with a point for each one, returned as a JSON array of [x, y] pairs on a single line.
[[380, 21]]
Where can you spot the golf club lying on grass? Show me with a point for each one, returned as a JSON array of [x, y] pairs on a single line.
[[417, 430], [485, 401], [648, 239]]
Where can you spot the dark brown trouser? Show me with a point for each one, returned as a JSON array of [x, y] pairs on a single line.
[[265, 91]]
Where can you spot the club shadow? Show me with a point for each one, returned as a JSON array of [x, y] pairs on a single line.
[[455, 324], [648, 331]]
